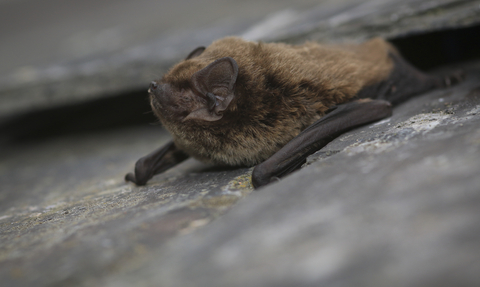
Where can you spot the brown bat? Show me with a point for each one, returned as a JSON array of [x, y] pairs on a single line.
[[241, 103]]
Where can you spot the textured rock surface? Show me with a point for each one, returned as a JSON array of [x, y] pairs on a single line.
[[67, 215], [360, 20]]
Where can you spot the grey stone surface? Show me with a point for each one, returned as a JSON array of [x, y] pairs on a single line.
[[360, 20], [99, 70], [66, 215]]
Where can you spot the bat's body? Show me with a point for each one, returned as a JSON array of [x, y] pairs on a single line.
[[242, 103]]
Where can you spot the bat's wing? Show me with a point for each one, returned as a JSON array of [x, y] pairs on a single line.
[[341, 119], [156, 162], [406, 81]]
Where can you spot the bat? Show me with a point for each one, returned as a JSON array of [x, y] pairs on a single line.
[[270, 105]]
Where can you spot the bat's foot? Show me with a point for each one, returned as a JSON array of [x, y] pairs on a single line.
[[453, 78], [259, 178], [130, 177]]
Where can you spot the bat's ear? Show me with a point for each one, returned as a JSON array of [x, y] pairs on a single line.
[[216, 84], [195, 53]]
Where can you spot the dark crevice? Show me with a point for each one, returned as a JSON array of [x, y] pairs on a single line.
[[431, 50], [128, 109], [426, 51]]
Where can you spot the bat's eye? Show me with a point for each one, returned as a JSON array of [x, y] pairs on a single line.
[[153, 86]]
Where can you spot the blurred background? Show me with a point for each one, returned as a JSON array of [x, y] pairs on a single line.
[[69, 66], [42, 33]]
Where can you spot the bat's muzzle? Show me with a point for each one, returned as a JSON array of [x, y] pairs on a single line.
[[153, 86]]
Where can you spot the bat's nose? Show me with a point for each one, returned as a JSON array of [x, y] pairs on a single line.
[[153, 87]]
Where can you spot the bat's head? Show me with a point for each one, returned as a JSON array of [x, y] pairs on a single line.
[[204, 95]]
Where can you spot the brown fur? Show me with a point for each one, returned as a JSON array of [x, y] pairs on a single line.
[[280, 90]]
